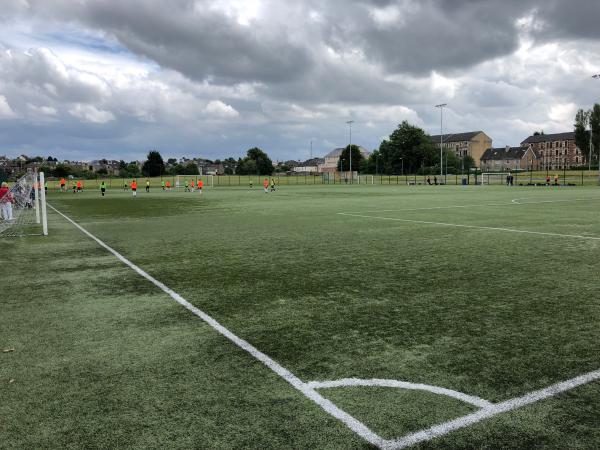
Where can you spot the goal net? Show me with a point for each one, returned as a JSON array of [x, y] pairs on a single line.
[[191, 181], [23, 207], [496, 178]]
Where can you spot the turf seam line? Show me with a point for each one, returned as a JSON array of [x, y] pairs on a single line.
[[478, 227], [354, 424], [377, 382], [494, 410]]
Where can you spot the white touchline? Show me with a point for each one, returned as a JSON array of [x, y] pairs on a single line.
[[513, 202], [486, 413], [479, 227], [376, 382], [354, 424]]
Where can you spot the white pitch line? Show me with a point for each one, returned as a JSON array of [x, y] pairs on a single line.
[[354, 424], [376, 382], [513, 202], [486, 413], [478, 227]]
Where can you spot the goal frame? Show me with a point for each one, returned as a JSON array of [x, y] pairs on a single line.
[[502, 176]]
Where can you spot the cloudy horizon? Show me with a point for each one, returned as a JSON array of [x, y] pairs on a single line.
[[93, 79]]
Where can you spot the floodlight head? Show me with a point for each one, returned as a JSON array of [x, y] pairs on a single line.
[[597, 76], [441, 105]]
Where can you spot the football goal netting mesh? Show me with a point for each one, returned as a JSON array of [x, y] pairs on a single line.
[[493, 178], [191, 181], [23, 207]]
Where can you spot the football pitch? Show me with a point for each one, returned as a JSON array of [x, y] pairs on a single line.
[[314, 317]]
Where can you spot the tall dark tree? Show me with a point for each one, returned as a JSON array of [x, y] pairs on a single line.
[[229, 166], [357, 158], [3, 175], [154, 165], [595, 124], [582, 136], [255, 163], [62, 170], [190, 168], [409, 147]]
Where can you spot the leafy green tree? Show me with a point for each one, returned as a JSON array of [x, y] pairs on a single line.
[[229, 165], [3, 175], [246, 166], [190, 168], [595, 124], [357, 158], [410, 144], [582, 136], [453, 162], [154, 165], [468, 163], [264, 164], [255, 163], [62, 170]]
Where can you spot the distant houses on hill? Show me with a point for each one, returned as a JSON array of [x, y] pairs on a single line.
[[537, 152]]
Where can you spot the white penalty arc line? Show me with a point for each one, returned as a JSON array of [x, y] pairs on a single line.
[[376, 382], [478, 227], [354, 424], [494, 410]]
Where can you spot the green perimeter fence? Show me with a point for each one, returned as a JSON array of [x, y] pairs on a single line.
[[576, 178]]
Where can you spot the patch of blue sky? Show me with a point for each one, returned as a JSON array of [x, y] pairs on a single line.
[[84, 41]]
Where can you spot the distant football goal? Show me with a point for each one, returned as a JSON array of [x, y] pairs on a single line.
[[23, 207]]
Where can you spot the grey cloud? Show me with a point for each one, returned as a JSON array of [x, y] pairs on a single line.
[[43, 74]]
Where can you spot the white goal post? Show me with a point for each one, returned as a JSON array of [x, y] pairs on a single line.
[[208, 180], [494, 178], [23, 207]]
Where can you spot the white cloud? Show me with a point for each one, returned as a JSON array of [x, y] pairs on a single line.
[[6, 111], [220, 110], [91, 114], [43, 111], [562, 112]]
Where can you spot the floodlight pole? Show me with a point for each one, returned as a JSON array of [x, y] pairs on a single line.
[[441, 106], [350, 122], [595, 77]]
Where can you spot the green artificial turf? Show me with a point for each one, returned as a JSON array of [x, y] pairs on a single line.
[[102, 358]]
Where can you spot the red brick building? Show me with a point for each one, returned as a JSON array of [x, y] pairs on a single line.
[[555, 151]]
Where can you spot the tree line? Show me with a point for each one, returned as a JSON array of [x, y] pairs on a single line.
[[584, 122]]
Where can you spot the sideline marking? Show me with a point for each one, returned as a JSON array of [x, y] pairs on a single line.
[[354, 424], [376, 382], [498, 408], [478, 227], [305, 388], [513, 202]]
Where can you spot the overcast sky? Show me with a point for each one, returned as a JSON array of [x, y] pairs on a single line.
[[86, 79]]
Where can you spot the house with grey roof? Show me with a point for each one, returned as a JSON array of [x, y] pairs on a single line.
[[332, 159], [472, 143], [508, 159]]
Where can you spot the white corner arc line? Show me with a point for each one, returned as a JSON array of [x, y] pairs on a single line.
[[377, 382], [477, 227], [354, 424], [494, 410]]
